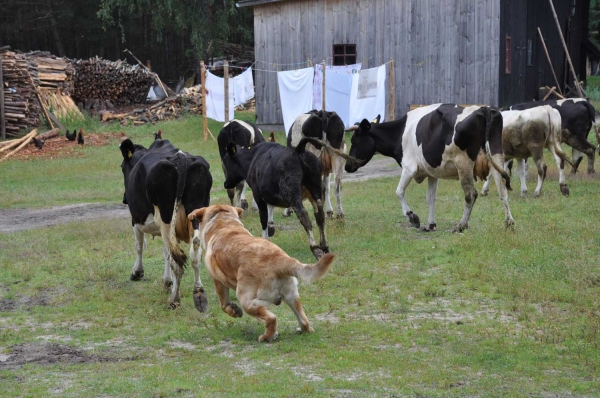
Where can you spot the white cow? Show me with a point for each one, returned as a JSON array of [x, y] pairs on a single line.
[[525, 134]]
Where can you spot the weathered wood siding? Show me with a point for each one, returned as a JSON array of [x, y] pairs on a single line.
[[444, 50]]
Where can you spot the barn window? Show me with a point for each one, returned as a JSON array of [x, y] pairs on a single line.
[[344, 54], [529, 52], [508, 53]]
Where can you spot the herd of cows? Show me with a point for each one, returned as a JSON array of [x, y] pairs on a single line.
[[163, 185]]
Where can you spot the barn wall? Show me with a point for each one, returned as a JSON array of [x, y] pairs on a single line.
[[445, 50], [520, 20]]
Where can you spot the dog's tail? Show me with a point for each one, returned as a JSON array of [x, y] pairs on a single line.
[[312, 272]]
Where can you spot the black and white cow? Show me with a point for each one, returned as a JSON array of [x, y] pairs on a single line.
[[244, 134], [577, 119], [328, 127], [280, 177], [442, 141], [525, 134], [162, 186]]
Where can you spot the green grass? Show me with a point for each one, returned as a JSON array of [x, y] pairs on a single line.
[[488, 312]]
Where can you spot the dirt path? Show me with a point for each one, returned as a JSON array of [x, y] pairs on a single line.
[[14, 220]]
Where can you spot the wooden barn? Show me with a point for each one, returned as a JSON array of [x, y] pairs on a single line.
[[456, 51]]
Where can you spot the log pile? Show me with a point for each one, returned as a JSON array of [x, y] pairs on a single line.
[[22, 108], [169, 108], [51, 72], [98, 80]]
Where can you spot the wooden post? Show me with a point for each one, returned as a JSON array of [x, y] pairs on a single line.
[[2, 118], [309, 62], [324, 99], [39, 98], [203, 85], [549, 61], [149, 65], [226, 77], [392, 90], [562, 39]]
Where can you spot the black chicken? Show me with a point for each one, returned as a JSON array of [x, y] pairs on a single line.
[[71, 137], [158, 136], [38, 143], [80, 139]]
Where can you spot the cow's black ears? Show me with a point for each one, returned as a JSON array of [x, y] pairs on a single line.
[[365, 125], [231, 149], [197, 214], [127, 149], [377, 119]]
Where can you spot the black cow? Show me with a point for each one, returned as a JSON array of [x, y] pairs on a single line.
[[280, 177], [438, 141], [244, 134], [577, 119], [162, 186], [329, 127]]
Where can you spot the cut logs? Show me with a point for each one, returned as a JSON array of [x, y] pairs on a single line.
[[169, 108]]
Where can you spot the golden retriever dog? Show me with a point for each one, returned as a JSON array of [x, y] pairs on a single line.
[[260, 271]]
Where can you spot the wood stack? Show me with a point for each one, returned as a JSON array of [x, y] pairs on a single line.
[[169, 108], [98, 80], [52, 72], [22, 109]]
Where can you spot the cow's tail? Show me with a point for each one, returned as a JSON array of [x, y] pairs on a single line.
[[488, 153], [319, 144], [176, 253], [555, 137]]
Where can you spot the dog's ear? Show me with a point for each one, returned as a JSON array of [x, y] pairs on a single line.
[[197, 214], [239, 211]]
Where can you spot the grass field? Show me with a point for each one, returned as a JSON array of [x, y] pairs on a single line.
[[489, 312]]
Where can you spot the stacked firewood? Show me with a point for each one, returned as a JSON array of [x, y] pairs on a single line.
[[98, 80], [52, 72], [21, 107], [169, 108]]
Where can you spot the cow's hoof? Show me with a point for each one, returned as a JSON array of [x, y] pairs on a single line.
[[429, 228], [340, 216], [271, 229], [564, 189], [524, 194], [136, 276], [414, 219], [200, 299], [325, 249], [167, 284], [510, 223], [318, 252], [330, 214], [537, 194], [264, 339], [234, 310], [244, 204], [460, 228], [174, 305], [484, 193]]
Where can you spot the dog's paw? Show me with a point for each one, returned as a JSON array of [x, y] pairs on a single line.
[[265, 339], [302, 330], [234, 310]]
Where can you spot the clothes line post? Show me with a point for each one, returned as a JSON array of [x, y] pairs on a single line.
[[226, 80], [2, 118], [324, 99], [203, 85], [392, 90]]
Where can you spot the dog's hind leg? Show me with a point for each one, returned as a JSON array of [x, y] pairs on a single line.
[[292, 298], [227, 306], [258, 309]]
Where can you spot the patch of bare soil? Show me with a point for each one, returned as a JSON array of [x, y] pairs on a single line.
[[60, 147], [23, 303], [47, 354]]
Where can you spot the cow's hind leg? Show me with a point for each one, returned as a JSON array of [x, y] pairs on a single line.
[[200, 299], [405, 178], [320, 219], [522, 174], [577, 158], [305, 221], [562, 182], [465, 175], [502, 191], [140, 244], [338, 170], [327, 194], [538, 158]]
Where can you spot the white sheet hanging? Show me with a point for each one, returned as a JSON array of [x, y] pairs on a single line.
[[243, 87], [338, 87], [215, 98], [370, 107], [318, 80], [295, 94]]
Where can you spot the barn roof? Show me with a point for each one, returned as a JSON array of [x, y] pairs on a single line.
[[250, 3]]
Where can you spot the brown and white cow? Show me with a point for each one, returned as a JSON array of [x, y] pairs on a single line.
[[441, 141], [525, 134]]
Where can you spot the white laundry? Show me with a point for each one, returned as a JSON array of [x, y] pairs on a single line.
[[243, 87], [318, 80], [295, 93], [215, 98], [369, 107], [338, 87]]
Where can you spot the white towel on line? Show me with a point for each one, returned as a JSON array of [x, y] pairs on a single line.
[[295, 94]]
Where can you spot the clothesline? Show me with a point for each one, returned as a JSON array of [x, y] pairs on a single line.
[[274, 65]]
